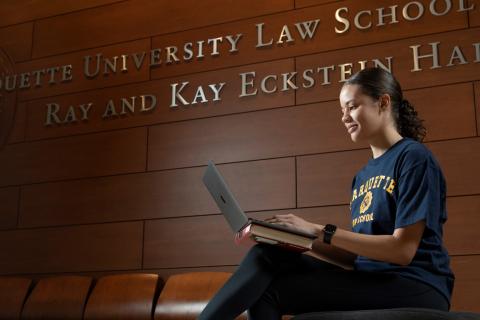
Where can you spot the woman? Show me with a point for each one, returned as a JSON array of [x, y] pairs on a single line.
[[394, 255]]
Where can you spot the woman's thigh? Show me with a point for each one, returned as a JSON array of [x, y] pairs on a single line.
[[314, 286]]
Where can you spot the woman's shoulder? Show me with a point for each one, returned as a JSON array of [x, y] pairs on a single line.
[[414, 153]]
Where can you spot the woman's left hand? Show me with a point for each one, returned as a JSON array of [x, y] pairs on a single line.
[[293, 221]]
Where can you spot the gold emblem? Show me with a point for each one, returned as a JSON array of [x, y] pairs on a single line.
[[366, 202]]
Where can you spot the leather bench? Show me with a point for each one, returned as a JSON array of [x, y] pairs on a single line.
[[143, 296]]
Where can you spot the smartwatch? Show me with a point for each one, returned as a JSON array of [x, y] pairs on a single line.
[[328, 232]]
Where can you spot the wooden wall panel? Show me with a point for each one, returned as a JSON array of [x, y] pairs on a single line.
[[325, 40], [16, 41], [197, 246], [465, 293], [130, 20], [17, 133], [195, 243], [275, 133], [402, 63], [80, 82], [319, 184], [477, 102], [258, 185], [309, 3], [73, 249], [459, 160], [462, 225], [327, 179], [9, 207], [161, 89], [474, 15], [13, 12], [259, 135], [74, 157], [448, 111]]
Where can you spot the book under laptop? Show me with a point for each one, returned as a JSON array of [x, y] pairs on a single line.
[[247, 229]]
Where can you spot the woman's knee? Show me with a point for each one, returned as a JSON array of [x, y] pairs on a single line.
[[272, 254]]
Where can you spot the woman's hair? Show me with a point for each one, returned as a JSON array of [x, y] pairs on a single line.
[[375, 82]]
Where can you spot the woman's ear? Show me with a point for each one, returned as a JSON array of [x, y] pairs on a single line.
[[385, 102]]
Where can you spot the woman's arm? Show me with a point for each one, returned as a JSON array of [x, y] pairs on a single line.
[[398, 248]]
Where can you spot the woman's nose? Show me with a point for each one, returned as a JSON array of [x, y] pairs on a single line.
[[346, 117]]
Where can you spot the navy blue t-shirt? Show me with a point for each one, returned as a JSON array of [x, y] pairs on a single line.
[[401, 187]]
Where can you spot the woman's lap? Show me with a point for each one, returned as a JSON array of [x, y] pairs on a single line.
[[271, 281]]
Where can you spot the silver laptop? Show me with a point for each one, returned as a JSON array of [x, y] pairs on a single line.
[[228, 205]]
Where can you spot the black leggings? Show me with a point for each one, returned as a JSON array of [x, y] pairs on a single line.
[[271, 282]]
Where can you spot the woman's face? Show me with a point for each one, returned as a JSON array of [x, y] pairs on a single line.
[[362, 115]]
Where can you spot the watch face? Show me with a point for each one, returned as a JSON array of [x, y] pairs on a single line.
[[330, 228]]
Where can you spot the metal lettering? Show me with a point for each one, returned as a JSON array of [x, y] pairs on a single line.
[[263, 84], [138, 61], [420, 7], [86, 64], [52, 72], [171, 53], [326, 75], [379, 64], [307, 30], [393, 14], [200, 94], [285, 34], [153, 102], [233, 42], [477, 51], [67, 73], [345, 69], [363, 64], [287, 81], [110, 110], [461, 6], [342, 20], [24, 80], [130, 105], [215, 42], [188, 51], [357, 20], [216, 90], [85, 110], [70, 116], [457, 54], [433, 9], [308, 78], [417, 57], [200, 49], [246, 84], [52, 109], [109, 64], [176, 94], [154, 58], [10, 85], [260, 42], [124, 63], [38, 74]]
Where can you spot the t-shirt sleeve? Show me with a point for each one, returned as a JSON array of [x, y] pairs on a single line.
[[420, 196]]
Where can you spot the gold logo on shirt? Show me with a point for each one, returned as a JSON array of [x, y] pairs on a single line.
[[366, 202]]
